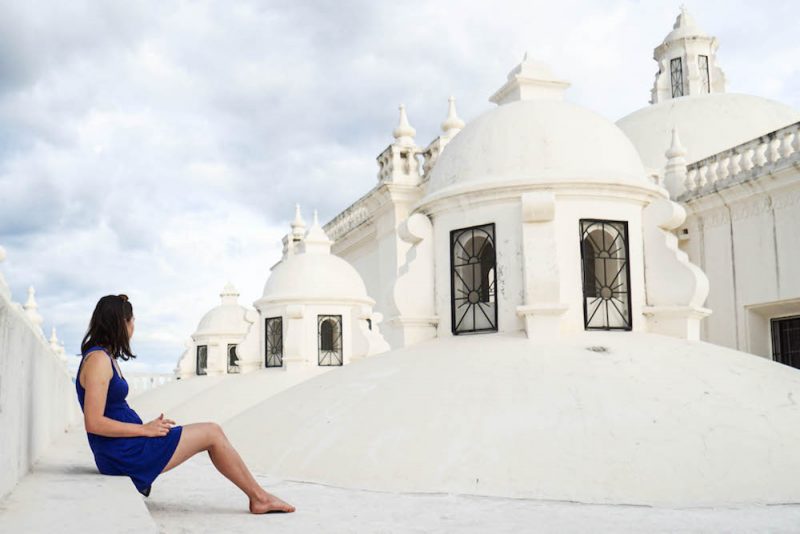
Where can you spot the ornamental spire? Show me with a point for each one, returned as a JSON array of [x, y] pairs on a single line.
[[675, 170], [31, 308], [316, 240], [453, 123], [404, 133]]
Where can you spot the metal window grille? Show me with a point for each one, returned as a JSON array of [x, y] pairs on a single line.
[[329, 345], [705, 79], [606, 277], [676, 75], [273, 346], [202, 359], [786, 340], [473, 263], [233, 359]]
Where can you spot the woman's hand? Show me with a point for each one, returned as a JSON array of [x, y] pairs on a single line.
[[158, 427]]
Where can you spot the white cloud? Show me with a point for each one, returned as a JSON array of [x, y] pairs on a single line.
[[158, 148]]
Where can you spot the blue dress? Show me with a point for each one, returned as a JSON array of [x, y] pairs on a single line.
[[140, 458]]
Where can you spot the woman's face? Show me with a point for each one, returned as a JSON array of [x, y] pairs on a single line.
[[130, 325]]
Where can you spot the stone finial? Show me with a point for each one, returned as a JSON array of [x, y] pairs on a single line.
[[31, 308], [57, 346], [404, 133], [298, 224], [316, 240], [530, 80], [229, 294], [453, 123], [675, 176]]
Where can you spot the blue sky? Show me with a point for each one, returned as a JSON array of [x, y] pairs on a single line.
[[158, 148]]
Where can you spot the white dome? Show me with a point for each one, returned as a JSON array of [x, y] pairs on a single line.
[[537, 141], [229, 318], [707, 124], [602, 417], [311, 277]]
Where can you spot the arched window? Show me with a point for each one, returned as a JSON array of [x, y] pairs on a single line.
[[233, 359], [606, 278], [273, 330], [472, 279], [676, 76], [202, 359], [329, 329]]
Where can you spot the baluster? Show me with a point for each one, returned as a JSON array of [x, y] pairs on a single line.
[[747, 159], [786, 144], [773, 154], [733, 165], [703, 181], [761, 159], [690, 183], [722, 168], [712, 172]]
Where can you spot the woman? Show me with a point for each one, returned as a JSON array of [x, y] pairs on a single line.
[[121, 443]]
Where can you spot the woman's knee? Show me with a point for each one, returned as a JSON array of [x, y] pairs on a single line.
[[215, 433]]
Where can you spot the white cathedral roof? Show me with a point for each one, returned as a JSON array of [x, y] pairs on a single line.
[[707, 124], [534, 137], [314, 274], [537, 141], [229, 318]]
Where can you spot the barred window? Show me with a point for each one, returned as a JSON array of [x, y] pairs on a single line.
[[676, 75], [273, 344], [786, 340], [330, 340], [233, 359], [472, 279], [202, 359], [606, 278]]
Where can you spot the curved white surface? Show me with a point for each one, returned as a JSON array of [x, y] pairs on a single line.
[[224, 319], [538, 141], [707, 124], [316, 277], [652, 420]]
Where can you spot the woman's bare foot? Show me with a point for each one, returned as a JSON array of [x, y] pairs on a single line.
[[267, 503]]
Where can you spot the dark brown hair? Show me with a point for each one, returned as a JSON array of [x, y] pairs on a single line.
[[108, 327]]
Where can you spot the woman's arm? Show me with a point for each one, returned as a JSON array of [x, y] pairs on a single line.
[[96, 373]]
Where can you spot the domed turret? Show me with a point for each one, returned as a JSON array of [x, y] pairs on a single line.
[[315, 308]]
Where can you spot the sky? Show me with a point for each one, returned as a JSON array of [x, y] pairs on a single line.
[[157, 148]]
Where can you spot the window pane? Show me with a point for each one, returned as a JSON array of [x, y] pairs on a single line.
[[606, 280], [329, 329], [202, 359], [273, 328], [676, 74], [472, 279], [705, 80]]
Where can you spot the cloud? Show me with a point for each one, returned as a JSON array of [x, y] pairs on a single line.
[[158, 148]]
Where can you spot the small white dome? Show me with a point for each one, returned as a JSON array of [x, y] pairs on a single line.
[[229, 318], [537, 141], [707, 124], [310, 277]]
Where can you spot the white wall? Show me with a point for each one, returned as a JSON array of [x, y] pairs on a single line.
[[746, 239], [37, 396]]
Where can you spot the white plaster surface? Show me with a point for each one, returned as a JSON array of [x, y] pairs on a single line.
[[194, 498], [651, 420], [37, 397], [707, 124], [65, 493]]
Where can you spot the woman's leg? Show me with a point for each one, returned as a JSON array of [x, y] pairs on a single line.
[[209, 437]]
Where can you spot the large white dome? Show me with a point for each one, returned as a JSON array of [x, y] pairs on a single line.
[[599, 417], [537, 141], [707, 124], [314, 277]]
